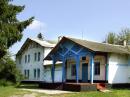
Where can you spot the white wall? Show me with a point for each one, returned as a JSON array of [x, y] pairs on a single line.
[[118, 69], [58, 74], [30, 50]]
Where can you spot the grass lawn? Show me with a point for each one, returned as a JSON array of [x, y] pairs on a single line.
[[9, 91]]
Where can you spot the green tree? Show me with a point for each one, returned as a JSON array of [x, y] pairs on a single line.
[[124, 35], [111, 38], [8, 70], [10, 27], [119, 38]]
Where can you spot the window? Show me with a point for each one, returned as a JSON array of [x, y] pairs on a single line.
[[38, 73], [19, 60], [28, 73], [39, 55], [83, 58], [25, 73], [97, 68], [73, 70], [25, 58], [34, 73], [35, 56], [28, 58]]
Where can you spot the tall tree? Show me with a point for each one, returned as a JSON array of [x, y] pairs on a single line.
[[10, 27]]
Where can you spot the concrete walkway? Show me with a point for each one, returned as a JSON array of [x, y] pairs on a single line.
[[45, 91]]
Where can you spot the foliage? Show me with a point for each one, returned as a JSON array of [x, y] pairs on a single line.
[[8, 70], [119, 38], [10, 27], [111, 38]]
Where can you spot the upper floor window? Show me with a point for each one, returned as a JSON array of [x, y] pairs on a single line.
[[39, 55], [35, 56], [25, 58], [97, 68], [28, 58]]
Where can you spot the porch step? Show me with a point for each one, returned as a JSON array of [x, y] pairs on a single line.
[[101, 86], [79, 87]]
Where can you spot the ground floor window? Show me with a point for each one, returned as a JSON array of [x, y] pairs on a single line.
[[26, 73], [38, 73], [97, 68], [34, 73]]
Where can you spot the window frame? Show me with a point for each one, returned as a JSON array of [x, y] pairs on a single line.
[[39, 56], [25, 58], [73, 70], [97, 68]]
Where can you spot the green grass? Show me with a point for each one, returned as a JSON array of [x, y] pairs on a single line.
[[10, 90], [113, 93]]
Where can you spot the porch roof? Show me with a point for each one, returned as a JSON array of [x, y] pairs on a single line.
[[93, 46]]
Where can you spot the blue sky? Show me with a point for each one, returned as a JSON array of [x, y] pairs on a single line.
[[93, 18]]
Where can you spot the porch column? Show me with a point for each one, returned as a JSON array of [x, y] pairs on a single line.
[[53, 69], [77, 68], [91, 68], [63, 70]]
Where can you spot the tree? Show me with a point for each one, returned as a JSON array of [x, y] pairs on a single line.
[[124, 35], [119, 38], [111, 38], [8, 70], [10, 27]]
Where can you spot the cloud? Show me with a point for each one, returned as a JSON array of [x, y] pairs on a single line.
[[37, 25]]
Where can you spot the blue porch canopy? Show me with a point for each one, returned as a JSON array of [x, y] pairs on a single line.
[[66, 49]]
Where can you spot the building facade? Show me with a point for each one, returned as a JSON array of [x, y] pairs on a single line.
[[90, 62], [29, 59]]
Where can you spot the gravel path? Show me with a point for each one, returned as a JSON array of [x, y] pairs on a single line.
[[45, 91]]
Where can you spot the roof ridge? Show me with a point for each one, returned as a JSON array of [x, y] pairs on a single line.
[[96, 42]]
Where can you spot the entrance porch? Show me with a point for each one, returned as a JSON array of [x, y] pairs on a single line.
[[79, 63]]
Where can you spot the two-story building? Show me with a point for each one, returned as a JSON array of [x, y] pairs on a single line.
[[29, 60]]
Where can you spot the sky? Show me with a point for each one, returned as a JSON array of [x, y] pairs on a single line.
[[83, 19]]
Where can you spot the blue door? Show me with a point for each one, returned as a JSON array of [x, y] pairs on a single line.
[[85, 72]]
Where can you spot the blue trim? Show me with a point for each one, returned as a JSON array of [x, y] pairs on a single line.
[[91, 68], [77, 68], [107, 72], [53, 69], [63, 70]]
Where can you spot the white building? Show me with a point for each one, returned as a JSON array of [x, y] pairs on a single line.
[[29, 59]]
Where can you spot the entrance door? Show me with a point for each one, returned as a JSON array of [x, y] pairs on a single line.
[[85, 72]]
